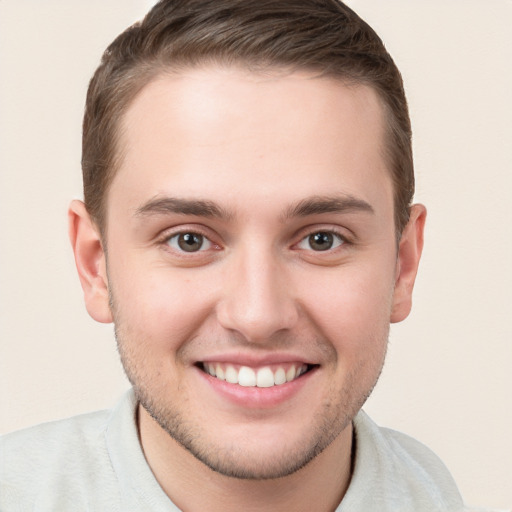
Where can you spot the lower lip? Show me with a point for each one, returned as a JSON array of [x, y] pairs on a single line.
[[254, 397]]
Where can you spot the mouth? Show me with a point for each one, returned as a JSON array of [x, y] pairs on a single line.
[[261, 377]]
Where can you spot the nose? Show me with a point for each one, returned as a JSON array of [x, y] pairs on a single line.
[[257, 300]]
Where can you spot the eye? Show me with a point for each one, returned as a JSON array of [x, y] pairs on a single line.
[[189, 242], [321, 241]]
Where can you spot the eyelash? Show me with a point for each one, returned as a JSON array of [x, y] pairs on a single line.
[[203, 239], [166, 241], [339, 240]]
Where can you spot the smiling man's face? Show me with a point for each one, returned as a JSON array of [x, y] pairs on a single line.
[[252, 263]]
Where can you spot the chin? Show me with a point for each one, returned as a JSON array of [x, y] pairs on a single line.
[[254, 451]]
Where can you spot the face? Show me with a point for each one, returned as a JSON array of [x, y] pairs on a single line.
[[252, 262]]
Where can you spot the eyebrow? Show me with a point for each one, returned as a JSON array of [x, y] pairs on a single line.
[[317, 205], [167, 205]]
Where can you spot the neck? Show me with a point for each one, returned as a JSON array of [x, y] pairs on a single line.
[[319, 486]]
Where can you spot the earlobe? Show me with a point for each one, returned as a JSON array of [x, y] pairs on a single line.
[[90, 261], [409, 254]]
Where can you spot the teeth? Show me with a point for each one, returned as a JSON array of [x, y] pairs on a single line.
[[280, 377], [246, 377], [219, 372], [264, 377], [301, 370], [231, 375]]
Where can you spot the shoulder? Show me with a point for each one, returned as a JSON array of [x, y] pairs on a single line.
[[402, 472], [50, 445], [413, 456], [43, 460], [54, 438], [88, 462], [86, 426]]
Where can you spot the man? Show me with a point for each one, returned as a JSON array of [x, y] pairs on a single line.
[[248, 228]]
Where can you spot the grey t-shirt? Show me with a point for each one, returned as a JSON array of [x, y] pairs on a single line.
[[94, 462]]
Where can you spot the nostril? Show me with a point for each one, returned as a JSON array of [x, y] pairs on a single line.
[[257, 320]]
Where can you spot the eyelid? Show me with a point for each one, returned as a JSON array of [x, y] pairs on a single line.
[[341, 240], [205, 245], [343, 233], [166, 235]]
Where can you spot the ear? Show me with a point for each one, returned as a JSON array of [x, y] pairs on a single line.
[[90, 261], [409, 253]]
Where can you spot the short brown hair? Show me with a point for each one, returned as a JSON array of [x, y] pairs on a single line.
[[323, 36]]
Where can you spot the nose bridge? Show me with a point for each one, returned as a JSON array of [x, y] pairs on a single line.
[[258, 300]]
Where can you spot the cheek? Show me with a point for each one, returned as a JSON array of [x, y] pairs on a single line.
[[158, 306], [352, 307]]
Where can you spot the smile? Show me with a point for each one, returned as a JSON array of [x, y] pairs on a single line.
[[263, 377]]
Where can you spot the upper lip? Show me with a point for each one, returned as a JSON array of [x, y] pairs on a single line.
[[254, 360]]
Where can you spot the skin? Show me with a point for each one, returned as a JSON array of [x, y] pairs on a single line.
[[257, 147]]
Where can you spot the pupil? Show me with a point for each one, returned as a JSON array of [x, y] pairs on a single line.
[[190, 242], [321, 241]]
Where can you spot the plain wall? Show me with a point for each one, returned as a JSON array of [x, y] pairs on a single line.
[[448, 378]]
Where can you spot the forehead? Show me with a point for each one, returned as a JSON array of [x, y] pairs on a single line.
[[209, 130]]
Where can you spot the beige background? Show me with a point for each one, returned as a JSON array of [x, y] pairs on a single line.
[[448, 379]]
